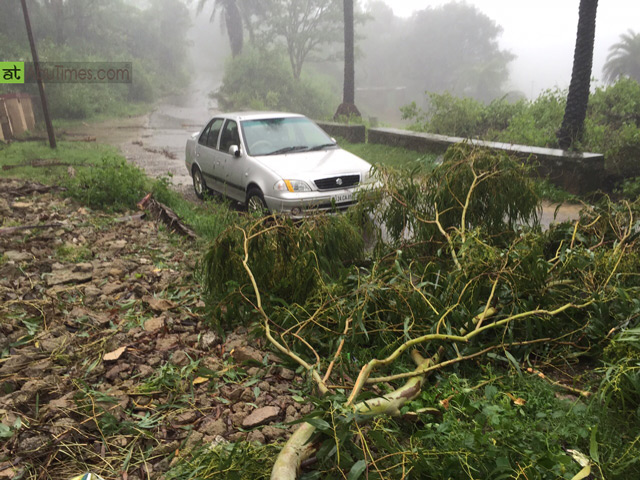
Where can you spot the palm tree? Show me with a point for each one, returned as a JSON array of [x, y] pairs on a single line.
[[348, 107], [624, 58], [578, 98], [230, 19]]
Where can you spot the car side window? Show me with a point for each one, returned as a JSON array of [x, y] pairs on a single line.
[[230, 136], [209, 136], [212, 138], [202, 140]]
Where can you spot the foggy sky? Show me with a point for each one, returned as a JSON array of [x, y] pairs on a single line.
[[542, 34]]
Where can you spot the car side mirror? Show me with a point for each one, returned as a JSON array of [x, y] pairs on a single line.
[[235, 151]]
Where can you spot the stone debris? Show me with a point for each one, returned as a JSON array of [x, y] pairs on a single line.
[[73, 295], [80, 273], [261, 416]]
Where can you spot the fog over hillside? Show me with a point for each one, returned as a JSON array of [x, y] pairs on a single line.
[[542, 35]]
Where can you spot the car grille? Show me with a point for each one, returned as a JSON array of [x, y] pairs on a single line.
[[334, 183]]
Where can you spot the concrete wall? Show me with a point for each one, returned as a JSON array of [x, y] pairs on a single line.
[[577, 173], [352, 133]]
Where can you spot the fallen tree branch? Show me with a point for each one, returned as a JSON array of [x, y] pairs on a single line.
[[167, 216], [10, 230], [582, 393], [322, 387]]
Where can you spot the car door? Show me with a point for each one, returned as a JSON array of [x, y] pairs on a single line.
[[206, 154], [234, 182]]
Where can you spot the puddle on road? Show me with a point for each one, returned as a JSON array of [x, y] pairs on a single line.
[[552, 213]]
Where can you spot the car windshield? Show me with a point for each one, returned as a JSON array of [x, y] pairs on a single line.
[[273, 136]]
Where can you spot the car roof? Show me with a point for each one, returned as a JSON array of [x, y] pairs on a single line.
[[239, 116]]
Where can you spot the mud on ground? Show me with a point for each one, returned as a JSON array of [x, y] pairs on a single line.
[[108, 362]]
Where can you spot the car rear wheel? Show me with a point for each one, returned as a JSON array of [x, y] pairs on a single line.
[[255, 202], [199, 184]]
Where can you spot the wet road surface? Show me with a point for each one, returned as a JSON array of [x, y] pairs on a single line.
[[156, 142]]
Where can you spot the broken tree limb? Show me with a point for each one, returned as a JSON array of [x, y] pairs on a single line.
[[582, 393], [296, 450], [12, 190], [322, 386], [10, 230], [167, 216]]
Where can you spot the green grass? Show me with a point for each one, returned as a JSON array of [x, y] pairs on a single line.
[[116, 110], [102, 179], [79, 155], [383, 155]]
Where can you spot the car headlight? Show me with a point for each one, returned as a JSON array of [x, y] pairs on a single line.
[[292, 186]]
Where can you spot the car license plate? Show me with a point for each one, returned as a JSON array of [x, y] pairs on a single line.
[[343, 197]]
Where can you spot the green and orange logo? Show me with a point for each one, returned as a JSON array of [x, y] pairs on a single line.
[[11, 72]]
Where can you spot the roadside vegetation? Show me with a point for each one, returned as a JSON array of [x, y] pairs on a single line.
[[522, 342], [261, 80], [99, 177], [612, 126], [153, 39], [497, 344]]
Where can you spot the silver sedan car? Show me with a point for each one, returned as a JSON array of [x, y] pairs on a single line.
[[278, 162]]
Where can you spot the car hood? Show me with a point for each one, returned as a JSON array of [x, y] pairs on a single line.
[[314, 165]]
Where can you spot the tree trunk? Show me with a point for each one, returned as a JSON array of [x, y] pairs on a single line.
[[578, 98], [348, 107], [233, 21]]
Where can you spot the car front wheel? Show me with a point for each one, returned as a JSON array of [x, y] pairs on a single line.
[[255, 202], [199, 184]]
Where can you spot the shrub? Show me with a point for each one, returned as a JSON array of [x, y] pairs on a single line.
[[612, 126], [537, 122], [262, 80], [112, 185], [621, 382], [447, 115]]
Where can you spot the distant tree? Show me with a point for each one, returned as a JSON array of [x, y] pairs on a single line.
[[303, 25], [624, 58], [230, 19], [348, 107], [451, 48], [578, 98]]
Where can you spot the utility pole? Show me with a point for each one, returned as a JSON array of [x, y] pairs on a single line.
[[36, 63]]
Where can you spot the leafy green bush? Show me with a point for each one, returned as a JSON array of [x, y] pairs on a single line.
[[612, 126], [288, 261], [537, 122], [113, 185], [461, 117], [621, 382], [262, 80], [503, 194]]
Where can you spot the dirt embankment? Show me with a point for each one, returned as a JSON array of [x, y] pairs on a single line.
[[108, 362]]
